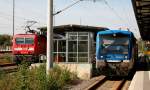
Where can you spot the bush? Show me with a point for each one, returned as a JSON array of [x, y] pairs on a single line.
[[58, 78], [36, 79]]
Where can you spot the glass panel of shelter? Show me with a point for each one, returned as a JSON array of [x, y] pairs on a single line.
[[75, 51]]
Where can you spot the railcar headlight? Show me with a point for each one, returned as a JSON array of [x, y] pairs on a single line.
[[101, 56], [125, 57]]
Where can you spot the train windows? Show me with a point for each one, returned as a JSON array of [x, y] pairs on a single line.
[[117, 45], [24, 41], [29, 41], [19, 40]]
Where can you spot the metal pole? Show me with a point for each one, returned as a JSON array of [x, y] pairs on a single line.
[[13, 27], [13, 17], [49, 64]]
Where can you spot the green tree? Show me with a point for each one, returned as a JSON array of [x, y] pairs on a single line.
[[5, 40]]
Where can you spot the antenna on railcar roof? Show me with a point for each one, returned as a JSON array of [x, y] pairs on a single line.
[[124, 28]]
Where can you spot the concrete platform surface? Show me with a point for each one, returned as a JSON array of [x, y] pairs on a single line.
[[141, 81]]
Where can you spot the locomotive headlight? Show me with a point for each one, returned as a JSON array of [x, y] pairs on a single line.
[[31, 49], [17, 49], [101, 56]]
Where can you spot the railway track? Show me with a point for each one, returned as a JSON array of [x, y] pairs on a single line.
[[7, 64], [8, 67], [105, 83], [2, 52]]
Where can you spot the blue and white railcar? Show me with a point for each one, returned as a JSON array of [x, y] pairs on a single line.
[[115, 52]]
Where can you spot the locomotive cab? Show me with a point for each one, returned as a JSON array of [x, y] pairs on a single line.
[[28, 47], [24, 44]]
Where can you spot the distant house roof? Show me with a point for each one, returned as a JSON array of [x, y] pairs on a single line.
[[70, 28]]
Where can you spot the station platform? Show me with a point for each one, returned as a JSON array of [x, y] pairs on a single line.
[[140, 81]]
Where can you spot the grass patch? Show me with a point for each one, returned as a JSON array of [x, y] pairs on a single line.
[[36, 79]]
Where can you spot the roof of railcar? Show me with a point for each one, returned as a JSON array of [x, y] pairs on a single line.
[[125, 32]]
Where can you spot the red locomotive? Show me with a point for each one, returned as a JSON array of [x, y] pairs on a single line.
[[28, 47]]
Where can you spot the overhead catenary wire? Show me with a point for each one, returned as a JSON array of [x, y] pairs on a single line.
[[128, 16], [8, 16], [19, 19], [67, 7], [113, 10]]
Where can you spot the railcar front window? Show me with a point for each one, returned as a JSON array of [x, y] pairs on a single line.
[[29, 41], [19, 40], [114, 44]]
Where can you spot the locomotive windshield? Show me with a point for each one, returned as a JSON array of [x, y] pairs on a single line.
[[29, 41], [19, 40], [24, 41], [114, 44]]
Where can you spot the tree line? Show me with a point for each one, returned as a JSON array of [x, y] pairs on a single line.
[[5, 40]]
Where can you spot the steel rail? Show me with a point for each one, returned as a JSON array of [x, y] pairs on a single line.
[[118, 85], [97, 83], [7, 64]]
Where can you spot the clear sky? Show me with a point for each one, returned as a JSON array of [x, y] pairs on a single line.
[[118, 13]]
